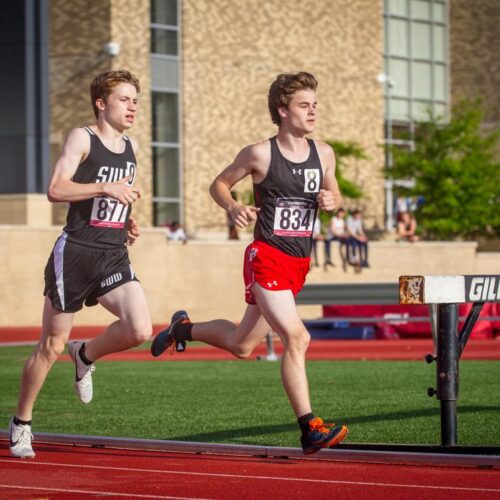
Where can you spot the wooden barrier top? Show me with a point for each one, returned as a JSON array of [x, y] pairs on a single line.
[[449, 289]]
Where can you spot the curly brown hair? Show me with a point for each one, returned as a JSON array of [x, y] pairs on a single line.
[[103, 84], [282, 89]]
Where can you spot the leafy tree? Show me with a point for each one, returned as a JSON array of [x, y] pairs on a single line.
[[455, 169], [344, 150]]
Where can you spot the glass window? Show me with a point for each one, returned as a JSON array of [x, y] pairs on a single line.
[[398, 37], [439, 43], [440, 83], [438, 12], [399, 75], [440, 110], [398, 7], [400, 110], [166, 172], [421, 81], [421, 40], [420, 9], [165, 117], [164, 73], [166, 213], [164, 12], [163, 41], [421, 110]]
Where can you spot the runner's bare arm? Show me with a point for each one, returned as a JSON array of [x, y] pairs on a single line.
[[63, 188], [252, 160], [329, 197]]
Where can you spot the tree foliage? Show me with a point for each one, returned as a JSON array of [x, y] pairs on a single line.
[[344, 150], [455, 168]]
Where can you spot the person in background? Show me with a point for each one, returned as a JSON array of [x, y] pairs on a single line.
[[175, 232], [359, 240], [407, 227], [337, 231]]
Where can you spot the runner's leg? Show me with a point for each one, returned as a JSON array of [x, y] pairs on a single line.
[[280, 311], [128, 303], [56, 327], [240, 339]]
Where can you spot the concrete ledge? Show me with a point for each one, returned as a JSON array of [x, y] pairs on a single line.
[[205, 277]]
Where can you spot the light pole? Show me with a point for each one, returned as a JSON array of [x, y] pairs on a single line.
[[388, 82]]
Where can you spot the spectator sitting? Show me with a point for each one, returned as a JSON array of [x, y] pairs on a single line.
[[358, 255], [175, 232], [337, 231], [407, 226]]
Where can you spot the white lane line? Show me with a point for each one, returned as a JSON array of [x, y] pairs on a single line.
[[94, 492], [242, 476]]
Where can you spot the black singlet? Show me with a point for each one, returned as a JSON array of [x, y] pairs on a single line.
[[101, 221], [287, 202]]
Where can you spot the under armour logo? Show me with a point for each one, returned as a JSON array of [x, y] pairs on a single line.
[[298, 171], [270, 284]]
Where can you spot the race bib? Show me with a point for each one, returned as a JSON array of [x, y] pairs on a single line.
[[108, 212], [294, 217], [311, 180]]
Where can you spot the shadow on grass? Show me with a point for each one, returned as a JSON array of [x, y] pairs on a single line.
[[292, 427]]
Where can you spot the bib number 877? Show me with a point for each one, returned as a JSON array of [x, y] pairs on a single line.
[[108, 212]]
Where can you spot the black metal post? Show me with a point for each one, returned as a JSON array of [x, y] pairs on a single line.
[[447, 371]]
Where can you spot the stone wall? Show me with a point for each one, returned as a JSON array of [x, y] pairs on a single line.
[[475, 53], [232, 51], [205, 277]]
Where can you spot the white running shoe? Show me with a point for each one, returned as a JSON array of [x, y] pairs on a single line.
[[83, 373], [20, 440]]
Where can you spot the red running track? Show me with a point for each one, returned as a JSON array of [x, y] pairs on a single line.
[[80, 472], [404, 349]]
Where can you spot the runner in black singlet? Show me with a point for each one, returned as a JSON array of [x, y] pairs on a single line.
[[89, 263], [292, 176]]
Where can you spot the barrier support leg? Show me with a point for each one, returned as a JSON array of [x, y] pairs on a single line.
[[447, 371]]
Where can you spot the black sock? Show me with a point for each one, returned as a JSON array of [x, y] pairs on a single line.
[[304, 422], [84, 358], [18, 421], [183, 332]]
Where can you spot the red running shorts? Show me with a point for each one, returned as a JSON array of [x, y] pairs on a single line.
[[273, 269]]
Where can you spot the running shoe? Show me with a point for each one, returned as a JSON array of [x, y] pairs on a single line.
[[83, 373], [322, 435], [166, 338], [20, 438]]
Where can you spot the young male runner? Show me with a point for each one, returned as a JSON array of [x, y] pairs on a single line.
[[89, 263], [292, 176]]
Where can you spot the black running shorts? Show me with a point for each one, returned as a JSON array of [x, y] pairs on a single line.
[[76, 274]]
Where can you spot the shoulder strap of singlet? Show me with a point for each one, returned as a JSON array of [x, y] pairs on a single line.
[[89, 130]]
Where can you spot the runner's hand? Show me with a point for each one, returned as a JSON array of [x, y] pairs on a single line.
[[120, 191], [243, 215], [325, 200], [133, 231]]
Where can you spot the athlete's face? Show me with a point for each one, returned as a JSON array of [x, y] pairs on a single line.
[[120, 106], [300, 115]]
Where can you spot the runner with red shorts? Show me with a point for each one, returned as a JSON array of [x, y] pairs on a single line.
[[292, 177]]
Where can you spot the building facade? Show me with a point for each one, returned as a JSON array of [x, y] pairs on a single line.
[[205, 67]]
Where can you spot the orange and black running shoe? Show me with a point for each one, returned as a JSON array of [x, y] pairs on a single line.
[[166, 338], [322, 435]]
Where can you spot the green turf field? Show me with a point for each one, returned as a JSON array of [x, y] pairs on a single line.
[[243, 401]]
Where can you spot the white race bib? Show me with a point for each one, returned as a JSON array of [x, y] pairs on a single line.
[[108, 212], [294, 217]]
